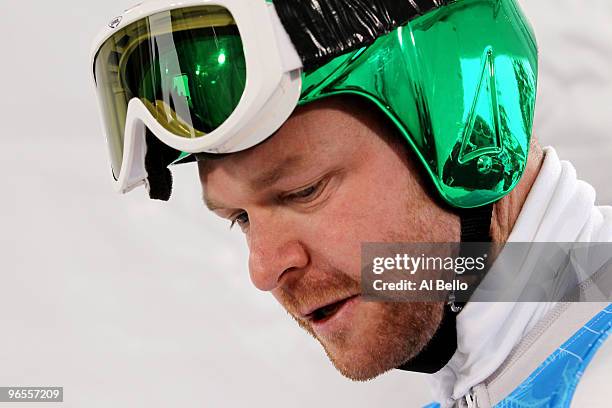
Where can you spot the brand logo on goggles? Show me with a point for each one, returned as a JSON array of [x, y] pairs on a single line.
[[115, 22]]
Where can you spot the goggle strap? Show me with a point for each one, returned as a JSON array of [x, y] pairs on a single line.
[[158, 158], [290, 58]]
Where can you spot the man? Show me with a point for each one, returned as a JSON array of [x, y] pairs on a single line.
[[317, 195], [329, 180], [335, 176], [415, 126]]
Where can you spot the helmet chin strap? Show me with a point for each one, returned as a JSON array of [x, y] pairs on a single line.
[[476, 223], [475, 227]]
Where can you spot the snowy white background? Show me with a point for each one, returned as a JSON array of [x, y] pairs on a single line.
[[127, 302]]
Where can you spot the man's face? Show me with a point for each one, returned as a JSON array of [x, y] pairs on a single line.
[[306, 200]]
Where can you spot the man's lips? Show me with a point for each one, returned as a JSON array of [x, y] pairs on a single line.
[[323, 311]]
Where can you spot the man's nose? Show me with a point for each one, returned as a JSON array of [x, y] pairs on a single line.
[[275, 250]]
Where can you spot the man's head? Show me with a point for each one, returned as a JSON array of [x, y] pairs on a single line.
[[334, 176]]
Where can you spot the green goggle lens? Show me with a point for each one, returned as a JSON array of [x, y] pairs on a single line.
[[187, 66]]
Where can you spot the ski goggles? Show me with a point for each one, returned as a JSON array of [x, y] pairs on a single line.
[[214, 76]]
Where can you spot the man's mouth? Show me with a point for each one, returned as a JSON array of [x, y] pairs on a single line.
[[323, 313]]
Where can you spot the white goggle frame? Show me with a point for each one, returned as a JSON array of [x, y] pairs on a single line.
[[271, 93]]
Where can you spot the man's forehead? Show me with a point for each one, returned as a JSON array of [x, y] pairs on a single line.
[[308, 140], [285, 167], [307, 137]]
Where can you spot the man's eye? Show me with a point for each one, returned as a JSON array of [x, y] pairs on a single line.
[[241, 219], [308, 193]]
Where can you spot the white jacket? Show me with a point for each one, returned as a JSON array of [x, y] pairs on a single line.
[[559, 208]]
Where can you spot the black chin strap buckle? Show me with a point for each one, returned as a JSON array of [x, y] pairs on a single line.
[[454, 307]]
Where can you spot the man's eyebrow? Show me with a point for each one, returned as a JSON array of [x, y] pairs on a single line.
[[262, 180], [280, 170], [212, 205]]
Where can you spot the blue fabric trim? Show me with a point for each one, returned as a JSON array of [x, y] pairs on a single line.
[[553, 383], [432, 405]]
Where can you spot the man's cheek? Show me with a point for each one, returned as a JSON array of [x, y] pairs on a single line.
[[337, 242]]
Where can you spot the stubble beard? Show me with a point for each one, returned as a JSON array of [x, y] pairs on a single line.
[[384, 335]]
